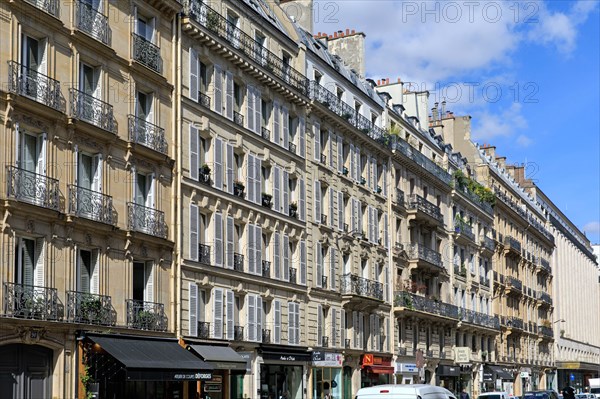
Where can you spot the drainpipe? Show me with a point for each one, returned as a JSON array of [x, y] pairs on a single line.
[[176, 126]]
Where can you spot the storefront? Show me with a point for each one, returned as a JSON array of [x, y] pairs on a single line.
[[282, 372], [375, 370], [406, 373], [495, 378], [136, 368], [576, 374], [448, 377], [326, 375]]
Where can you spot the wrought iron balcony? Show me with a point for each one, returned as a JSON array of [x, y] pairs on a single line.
[[238, 333], [31, 302], [146, 220], [545, 265], [27, 82], [324, 281], [482, 319], [416, 202], [238, 262], [545, 297], [49, 6], [147, 134], [90, 204], [146, 53], [266, 336], [266, 133], [546, 331], [92, 22], [83, 307], [204, 254], [266, 268], [465, 230], [91, 110], [514, 282], [513, 244], [399, 197], [143, 315], [347, 342], [266, 200], [324, 341], [292, 148], [488, 243], [486, 207], [30, 187], [400, 145], [484, 281], [203, 329], [204, 100], [423, 304], [238, 118], [511, 322], [356, 285], [293, 275], [420, 252]]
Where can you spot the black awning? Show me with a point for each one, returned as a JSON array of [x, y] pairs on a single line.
[[285, 353], [221, 357], [154, 359], [499, 372], [448, 371]]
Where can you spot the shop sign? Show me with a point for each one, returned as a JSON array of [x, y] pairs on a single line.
[[327, 359], [462, 354], [204, 376], [287, 357], [407, 368], [570, 365], [247, 356], [368, 359]]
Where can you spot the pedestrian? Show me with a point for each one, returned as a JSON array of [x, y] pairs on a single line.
[[568, 392], [465, 395]]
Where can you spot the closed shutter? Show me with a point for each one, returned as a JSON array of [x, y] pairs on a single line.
[[230, 167], [334, 331], [218, 163], [148, 275], [354, 215], [370, 223], [352, 166], [193, 312], [257, 111], [276, 188], [250, 179], [377, 333], [229, 254], [251, 245], [258, 253], [340, 153], [330, 154], [319, 325], [40, 254], [302, 137], [259, 318], [317, 142], [317, 195], [285, 185], [257, 180], [83, 271], [343, 328], [276, 123], [319, 264], [194, 152], [285, 123], [230, 309], [361, 331], [302, 200], [359, 216], [371, 334], [277, 254], [194, 227], [229, 94], [150, 185], [356, 329], [193, 74], [331, 206], [42, 141], [251, 314], [97, 168], [386, 238], [340, 204], [333, 268], [384, 189], [218, 222], [357, 163], [276, 322], [291, 327], [387, 283], [218, 90], [286, 258], [303, 262], [250, 102], [18, 138]]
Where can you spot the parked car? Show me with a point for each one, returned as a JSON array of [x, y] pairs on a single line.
[[493, 395], [408, 391], [585, 396], [547, 394]]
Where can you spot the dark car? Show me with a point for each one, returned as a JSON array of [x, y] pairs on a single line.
[[548, 394]]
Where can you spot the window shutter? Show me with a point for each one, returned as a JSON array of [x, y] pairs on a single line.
[[218, 223], [229, 94], [359, 216], [377, 333], [291, 327], [148, 274], [42, 141], [352, 163], [319, 264], [257, 111], [39, 275], [330, 154], [285, 184], [302, 200], [343, 328], [303, 262], [218, 163], [317, 196], [276, 188], [384, 181], [230, 167], [340, 204], [370, 223], [356, 329], [194, 150], [251, 245], [319, 325], [230, 242], [230, 308], [218, 89], [386, 238], [334, 331], [277, 321], [357, 163], [387, 283], [257, 180], [317, 142], [258, 256], [302, 137], [286, 258], [193, 74], [297, 335], [331, 206], [97, 184], [18, 147], [150, 187], [193, 312], [250, 179], [276, 123], [333, 268], [259, 317], [354, 215], [194, 226], [285, 122], [277, 254], [251, 313], [340, 153], [250, 102]]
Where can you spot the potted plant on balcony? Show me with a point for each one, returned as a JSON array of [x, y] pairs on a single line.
[[90, 308], [146, 319], [205, 173], [293, 209], [266, 200], [238, 188], [347, 116], [34, 307]]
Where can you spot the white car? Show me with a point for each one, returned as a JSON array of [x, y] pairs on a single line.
[[408, 391], [493, 395]]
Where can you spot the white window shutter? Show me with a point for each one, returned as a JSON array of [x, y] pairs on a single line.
[[319, 264], [291, 327], [285, 123], [276, 123], [368, 173], [193, 312], [218, 250], [302, 137], [356, 329], [259, 318], [230, 242], [98, 165], [218, 163], [319, 325], [230, 167], [276, 322], [257, 111], [331, 160], [340, 153], [387, 283], [42, 146], [194, 226], [230, 309], [149, 277], [218, 89], [193, 74], [317, 195], [359, 216], [257, 180], [229, 94], [276, 188], [354, 216], [331, 206], [334, 331], [258, 256], [286, 258], [285, 185], [386, 238], [384, 181], [194, 152], [333, 268], [150, 183], [250, 108], [352, 163], [303, 262], [302, 200], [372, 331], [317, 142], [343, 328], [251, 245], [251, 314], [18, 147], [357, 163], [250, 179], [340, 204], [277, 254], [297, 335], [370, 223]]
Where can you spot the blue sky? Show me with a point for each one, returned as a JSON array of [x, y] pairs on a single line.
[[533, 68]]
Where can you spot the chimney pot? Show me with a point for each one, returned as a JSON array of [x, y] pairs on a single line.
[[347, 31], [378, 82], [387, 82], [353, 31], [331, 36], [399, 80], [335, 34]]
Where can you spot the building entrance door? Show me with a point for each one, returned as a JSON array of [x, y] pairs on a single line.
[[25, 372]]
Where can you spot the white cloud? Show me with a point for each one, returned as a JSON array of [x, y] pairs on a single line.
[[592, 228], [490, 125], [524, 141]]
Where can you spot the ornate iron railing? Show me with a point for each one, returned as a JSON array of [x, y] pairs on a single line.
[[266, 268], [465, 230], [417, 202], [31, 302], [147, 134], [265, 133], [356, 285], [220, 26], [484, 281], [486, 207], [545, 330], [27, 82], [488, 243], [146, 53], [92, 22], [91, 110], [30, 187], [90, 204], [238, 118], [324, 341], [203, 329], [204, 100], [324, 281], [49, 6], [420, 252], [514, 282], [396, 143], [238, 262], [399, 197], [266, 336], [423, 304], [293, 275], [238, 333], [512, 243], [482, 319], [545, 265], [204, 254], [545, 297], [144, 315], [146, 220], [83, 307]]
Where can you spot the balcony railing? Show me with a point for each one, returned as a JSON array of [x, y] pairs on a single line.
[[512, 243], [265, 133], [482, 319], [238, 118], [424, 304], [147, 134], [514, 283], [293, 275], [220, 26], [143, 315], [90, 204], [146, 53], [204, 100], [545, 297], [146, 220], [266, 268], [421, 252], [419, 203], [238, 333], [545, 265], [399, 197], [484, 281], [30, 187], [488, 243], [91, 110], [32, 84], [511, 322], [324, 159], [92, 22], [546, 331], [31, 302], [355, 285], [323, 219], [204, 254], [49, 6], [83, 307], [324, 341], [203, 329], [266, 336], [465, 230], [396, 143], [486, 207], [238, 262]]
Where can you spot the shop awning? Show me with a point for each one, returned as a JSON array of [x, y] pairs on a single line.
[[380, 369], [221, 357], [448, 371], [153, 359], [499, 372]]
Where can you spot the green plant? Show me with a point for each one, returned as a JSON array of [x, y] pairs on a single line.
[[146, 318], [86, 379], [90, 308], [293, 205], [212, 20]]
